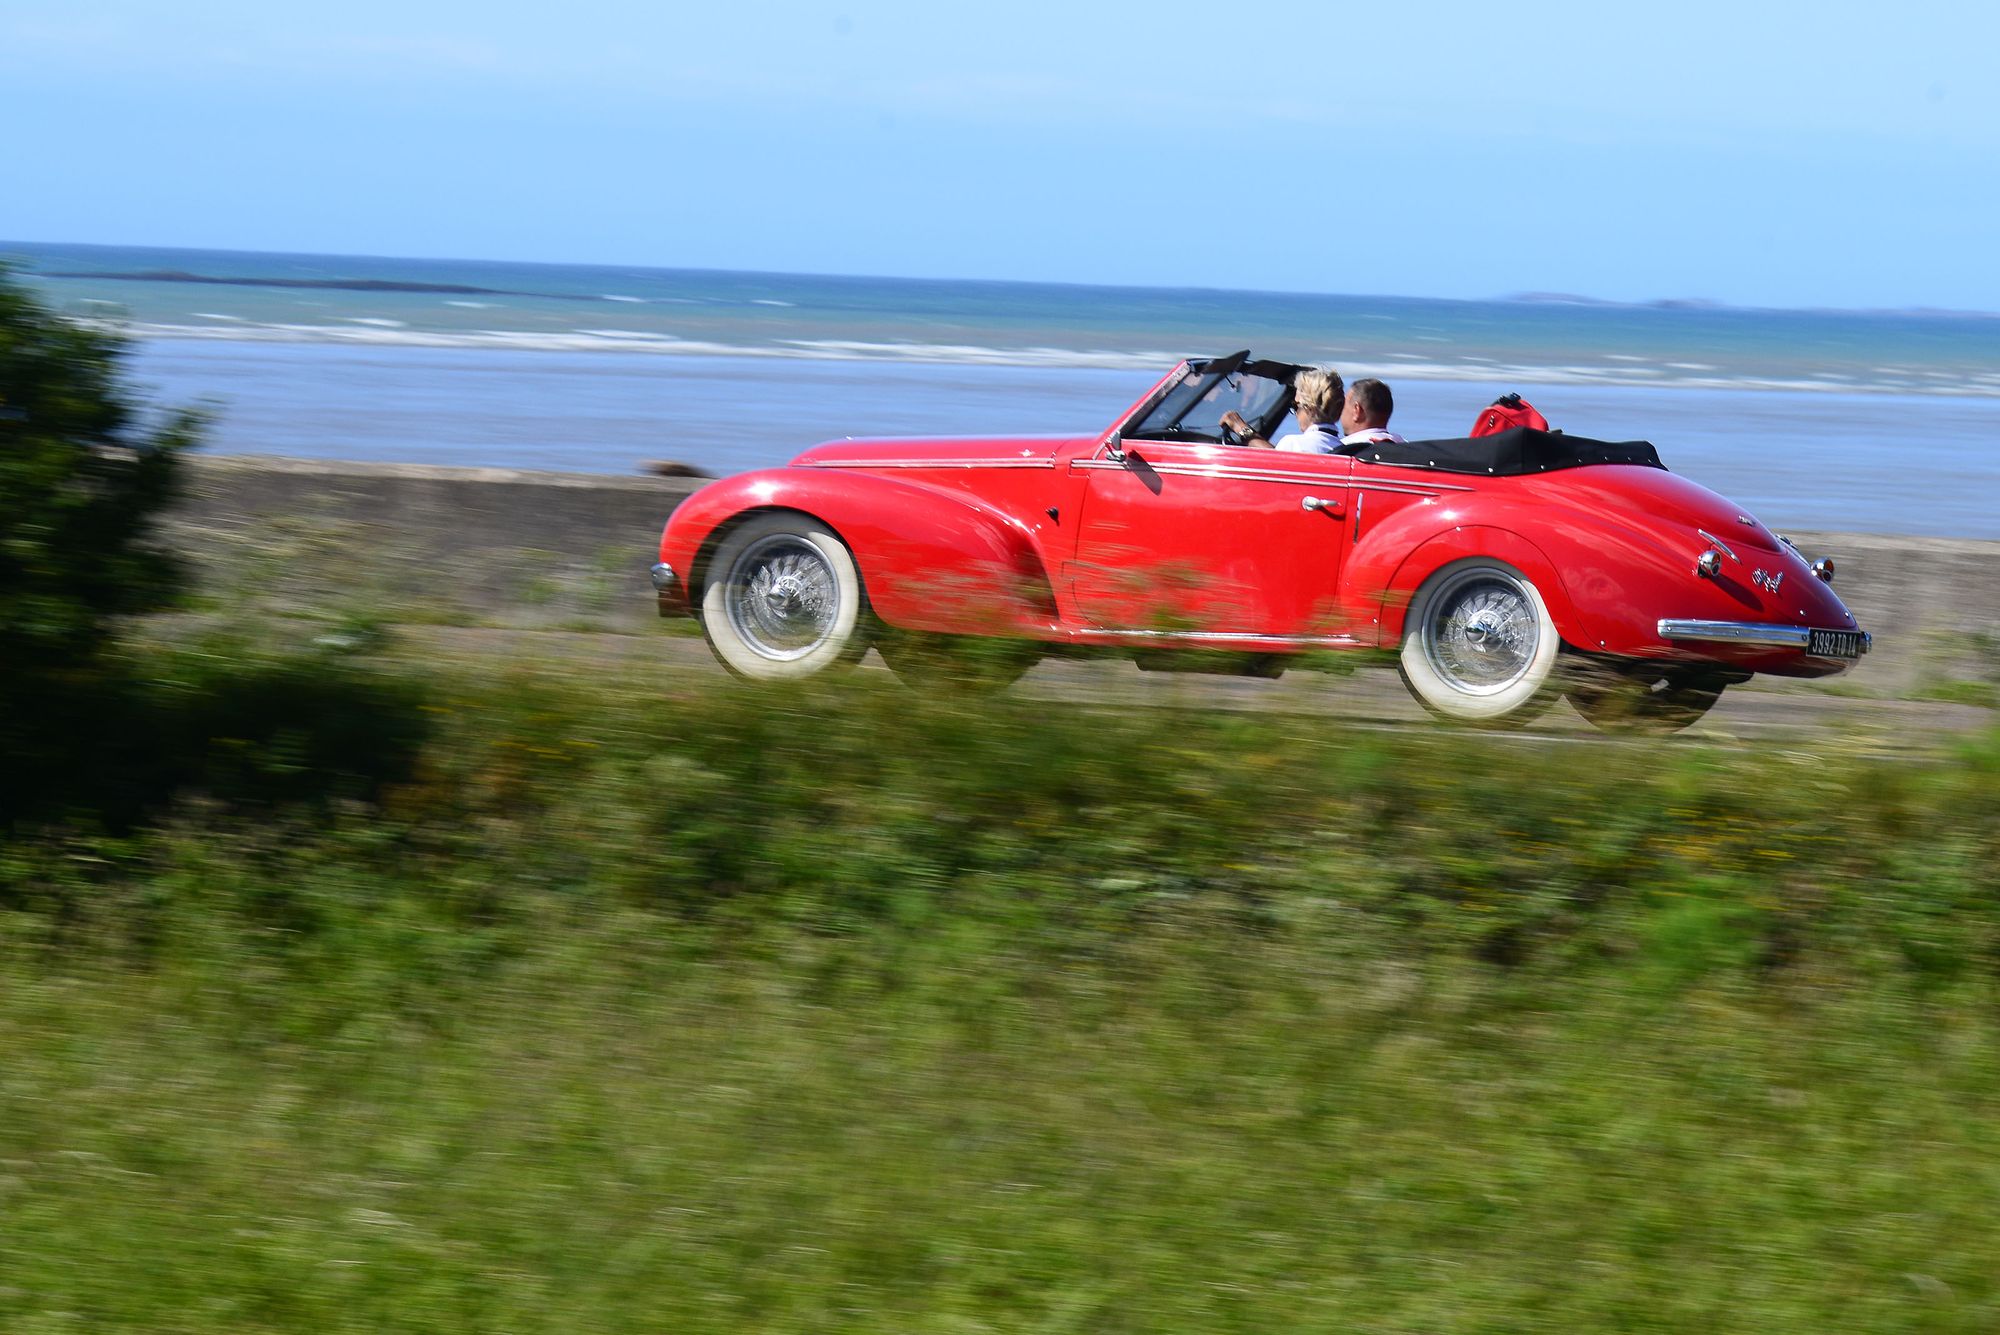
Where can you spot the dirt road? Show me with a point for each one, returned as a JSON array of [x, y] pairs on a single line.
[[1762, 712]]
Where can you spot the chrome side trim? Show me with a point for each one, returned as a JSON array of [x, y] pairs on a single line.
[[1232, 471], [931, 463], [1719, 545], [1234, 474], [1776, 634], [1406, 488], [1228, 636]]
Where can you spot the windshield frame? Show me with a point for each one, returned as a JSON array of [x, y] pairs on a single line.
[[1162, 417]]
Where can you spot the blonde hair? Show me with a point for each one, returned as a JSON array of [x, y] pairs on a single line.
[[1319, 391]]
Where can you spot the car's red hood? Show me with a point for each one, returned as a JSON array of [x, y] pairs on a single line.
[[944, 452]]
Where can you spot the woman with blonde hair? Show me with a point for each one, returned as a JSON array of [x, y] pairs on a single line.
[[1317, 399]]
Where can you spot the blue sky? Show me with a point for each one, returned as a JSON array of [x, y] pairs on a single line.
[[1725, 151]]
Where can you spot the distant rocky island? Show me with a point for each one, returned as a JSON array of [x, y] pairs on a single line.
[[1574, 299], [1705, 304]]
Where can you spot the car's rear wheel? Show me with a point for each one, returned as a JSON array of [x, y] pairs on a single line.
[[1645, 703], [783, 599], [1479, 646]]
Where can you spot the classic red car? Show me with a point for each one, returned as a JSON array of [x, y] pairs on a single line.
[[1503, 570]]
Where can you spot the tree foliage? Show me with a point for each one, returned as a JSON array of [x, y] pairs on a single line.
[[84, 474]]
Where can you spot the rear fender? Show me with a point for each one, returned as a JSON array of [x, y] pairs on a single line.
[[1457, 543], [1623, 578], [929, 559]]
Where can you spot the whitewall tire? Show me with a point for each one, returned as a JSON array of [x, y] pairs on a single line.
[[782, 599], [1479, 646]]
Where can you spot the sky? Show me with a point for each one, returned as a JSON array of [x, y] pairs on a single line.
[[1834, 155]]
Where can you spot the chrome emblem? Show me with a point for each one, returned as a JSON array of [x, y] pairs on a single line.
[[1768, 582]]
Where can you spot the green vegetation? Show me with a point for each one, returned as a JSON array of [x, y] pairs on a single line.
[[81, 479], [606, 1003], [1981, 686], [83, 476]]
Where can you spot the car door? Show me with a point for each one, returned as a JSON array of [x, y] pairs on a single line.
[[1198, 539]]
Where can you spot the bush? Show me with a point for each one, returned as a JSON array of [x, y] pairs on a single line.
[[83, 478]]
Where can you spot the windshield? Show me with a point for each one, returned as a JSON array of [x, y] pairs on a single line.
[[1193, 407]]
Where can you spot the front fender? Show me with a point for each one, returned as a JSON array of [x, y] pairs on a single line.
[[930, 559]]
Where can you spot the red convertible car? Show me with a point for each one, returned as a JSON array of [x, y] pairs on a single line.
[[1502, 570]]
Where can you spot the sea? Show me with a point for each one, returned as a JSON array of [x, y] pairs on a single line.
[[1874, 421]]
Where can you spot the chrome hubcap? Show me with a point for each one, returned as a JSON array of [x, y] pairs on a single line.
[[1482, 632], [783, 597]]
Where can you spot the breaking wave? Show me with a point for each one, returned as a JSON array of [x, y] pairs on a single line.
[[1615, 370]]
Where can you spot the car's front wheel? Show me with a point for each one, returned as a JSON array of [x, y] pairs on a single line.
[[783, 599], [1479, 646]]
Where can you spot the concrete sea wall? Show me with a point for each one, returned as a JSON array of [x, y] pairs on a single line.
[[507, 547]]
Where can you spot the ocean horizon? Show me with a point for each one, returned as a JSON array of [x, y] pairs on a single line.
[[1883, 421], [1534, 338]]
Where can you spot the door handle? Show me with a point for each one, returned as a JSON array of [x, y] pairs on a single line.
[[1330, 504]]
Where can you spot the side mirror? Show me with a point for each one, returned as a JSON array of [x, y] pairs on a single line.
[[1114, 448]]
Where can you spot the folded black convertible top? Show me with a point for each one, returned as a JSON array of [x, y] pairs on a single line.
[[1508, 453]]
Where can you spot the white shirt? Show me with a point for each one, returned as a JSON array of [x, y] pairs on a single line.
[[1322, 438], [1372, 435]]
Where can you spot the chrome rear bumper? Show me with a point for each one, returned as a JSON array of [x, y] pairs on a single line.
[[1773, 634]]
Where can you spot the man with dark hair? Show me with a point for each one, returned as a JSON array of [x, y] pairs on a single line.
[[1365, 420]]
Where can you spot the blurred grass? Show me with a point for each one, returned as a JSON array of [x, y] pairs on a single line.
[[601, 1001], [1974, 679]]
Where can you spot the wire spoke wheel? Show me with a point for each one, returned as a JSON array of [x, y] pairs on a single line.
[[1482, 634], [783, 599], [1479, 645]]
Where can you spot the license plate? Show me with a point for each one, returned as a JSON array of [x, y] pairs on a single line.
[[1835, 644]]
